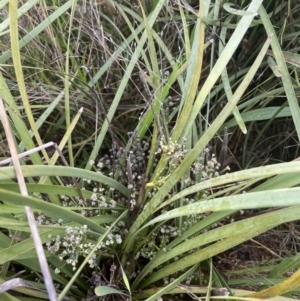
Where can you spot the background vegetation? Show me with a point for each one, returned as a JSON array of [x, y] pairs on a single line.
[[158, 146]]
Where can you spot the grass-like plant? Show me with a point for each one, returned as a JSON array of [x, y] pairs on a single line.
[[134, 196]]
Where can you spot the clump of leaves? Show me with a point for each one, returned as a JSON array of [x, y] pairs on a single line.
[[144, 219]]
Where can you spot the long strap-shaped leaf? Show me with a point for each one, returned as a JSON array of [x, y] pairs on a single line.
[[237, 233], [284, 287], [224, 58], [286, 79]]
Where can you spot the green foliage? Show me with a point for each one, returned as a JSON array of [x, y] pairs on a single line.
[[139, 195]]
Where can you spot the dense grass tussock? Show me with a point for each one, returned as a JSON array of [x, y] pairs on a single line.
[[154, 145]]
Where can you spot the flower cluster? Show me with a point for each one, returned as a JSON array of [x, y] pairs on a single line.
[[127, 165], [188, 280], [74, 243], [205, 167], [114, 165], [41, 219], [175, 152], [159, 239]]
